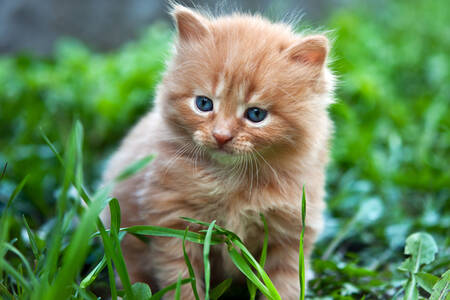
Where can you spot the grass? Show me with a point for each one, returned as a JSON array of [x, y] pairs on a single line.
[[388, 178], [55, 271]]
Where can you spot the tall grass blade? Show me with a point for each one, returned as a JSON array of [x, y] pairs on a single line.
[[2, 175], [17, 191], [21, 281], [220, 289], [135, 167], [206, 263], [178, 288], [33, 239], [189, 265], [262, 259], [248, 256], [169, 232], [243, 266], [52, 256], [76, 252], [24, 261], [111, 253], [301, 254], [168, 288], [87, 281]]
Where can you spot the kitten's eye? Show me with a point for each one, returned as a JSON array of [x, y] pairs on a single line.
[[256, 114], [204, 103]]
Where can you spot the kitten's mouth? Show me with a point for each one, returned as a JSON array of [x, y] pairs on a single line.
[[223, 156]]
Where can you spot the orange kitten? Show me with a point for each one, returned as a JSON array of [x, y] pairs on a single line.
[[240, 124]]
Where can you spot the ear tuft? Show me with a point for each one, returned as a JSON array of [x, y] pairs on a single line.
[[191, 26], [311, 50]]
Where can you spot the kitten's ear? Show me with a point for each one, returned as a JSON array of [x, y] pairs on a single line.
[[191, 26], [311, 50]]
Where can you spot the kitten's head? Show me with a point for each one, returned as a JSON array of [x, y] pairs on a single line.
[[240, 84]]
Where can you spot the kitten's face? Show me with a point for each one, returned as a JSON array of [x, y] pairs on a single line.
[[241, 85]]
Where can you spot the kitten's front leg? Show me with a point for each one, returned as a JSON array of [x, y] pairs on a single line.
[[169, 263]]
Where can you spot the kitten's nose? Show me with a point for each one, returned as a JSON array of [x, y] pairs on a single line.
[[222, 138]]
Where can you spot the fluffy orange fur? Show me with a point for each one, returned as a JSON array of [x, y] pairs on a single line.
[[237, 61]]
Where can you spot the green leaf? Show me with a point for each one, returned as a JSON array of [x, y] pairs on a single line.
[[135, 167], [411, 292], [207, 266], [407, 265], [220, 289], [422, 248], [441, 290], [141, 291], [426, 281]]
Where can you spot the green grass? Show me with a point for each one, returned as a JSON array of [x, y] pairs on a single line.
[[56, 269], [388, 178]]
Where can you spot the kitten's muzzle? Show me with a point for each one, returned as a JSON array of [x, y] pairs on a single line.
[[222, 138]]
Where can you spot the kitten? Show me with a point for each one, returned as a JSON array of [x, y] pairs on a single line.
[[240, 124]]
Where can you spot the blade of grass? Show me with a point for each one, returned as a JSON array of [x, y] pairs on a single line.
[[52, 147], [87, 281], [118, 260], [301, 254], [4, 235], [2, 175], [251, 289], [178, 288], [220, 230], [169, 232], [76, 252], [206, 264], [32, 237], [24, 261], [16, 275], [135, 167], [220, 289], [189, 265], [17, 191], [273, 291], [114, 208], [112, 278], [52, 256], [79, 154], [168, 288], [243, 266], [262, 259]]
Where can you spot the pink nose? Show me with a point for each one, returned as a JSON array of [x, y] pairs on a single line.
[[222, 138]]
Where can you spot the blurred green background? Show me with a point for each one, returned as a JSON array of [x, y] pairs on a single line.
[[390, 172]]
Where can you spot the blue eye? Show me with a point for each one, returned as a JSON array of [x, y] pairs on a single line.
[[204, 103], [256, 114]]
